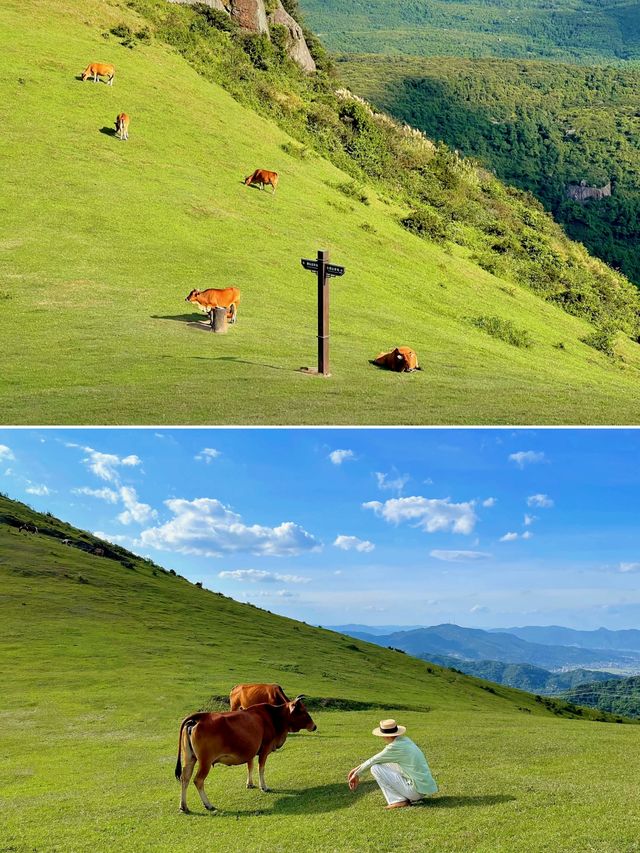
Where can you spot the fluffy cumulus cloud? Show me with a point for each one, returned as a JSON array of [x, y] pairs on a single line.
[[114, 538], [207, 454], [431, 514], [36, 489], [526, 457], [134, 511], [527, 534], [393, 482], [489, 502], [528, 519], [352, 543], [258, 576], [207, 527], [542, 501], [105, 465], [459, 556], [340, 456], [6, 453], [509, 537], [106, 494]]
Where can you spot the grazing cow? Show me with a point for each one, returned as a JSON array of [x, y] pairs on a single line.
[[245, 695], [233, 738], [66, 541], [400, 359], [122, 126], [26, 527], [226, 297], [263, 177], [99, 69]]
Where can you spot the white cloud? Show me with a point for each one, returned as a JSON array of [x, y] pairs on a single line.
[[6, 453], [509, 537], [431, 514], [352, 543], [115, 538], [39, 490], [340, 456], [629, 567], [526, 457], [134, 509], [543, 501], [391, 482], [257, 576], [479, 608], [105, 494], [527, 535], [458, 556], [529, 519], [104, 465], [208, 528], [489, 502], [207, 454]]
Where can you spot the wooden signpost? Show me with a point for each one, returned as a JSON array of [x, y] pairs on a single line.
[[325, 271]]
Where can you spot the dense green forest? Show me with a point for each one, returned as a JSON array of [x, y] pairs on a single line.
[[589, 31], [539, 126], [618, 697]]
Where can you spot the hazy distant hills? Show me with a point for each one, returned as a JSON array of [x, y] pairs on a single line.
[[555, 635], [525, 676], [474, 644]]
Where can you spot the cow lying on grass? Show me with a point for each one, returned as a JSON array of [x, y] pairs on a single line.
[[264, 178], [245, 695], [233, 738], [99, 69], [207, 300], [400, 359]]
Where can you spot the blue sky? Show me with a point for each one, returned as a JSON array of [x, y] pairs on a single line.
[[485, 528]]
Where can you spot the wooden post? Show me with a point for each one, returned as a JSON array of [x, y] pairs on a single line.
[[219, 320], [323, 314]]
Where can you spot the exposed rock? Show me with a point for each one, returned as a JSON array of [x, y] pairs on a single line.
[[582, 193], [297, 49], [252, 15]]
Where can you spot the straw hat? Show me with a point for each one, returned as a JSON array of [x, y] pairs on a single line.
[[389, 728]]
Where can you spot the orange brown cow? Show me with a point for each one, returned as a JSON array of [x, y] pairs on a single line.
[[207, 300], [100, 69], [235, 738], [264, 178], [245, 695], [122, 126], [400, 359]]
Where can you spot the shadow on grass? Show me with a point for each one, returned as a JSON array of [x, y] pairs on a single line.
[[237, 360], [180, 318], [108, 131], [463, 802]]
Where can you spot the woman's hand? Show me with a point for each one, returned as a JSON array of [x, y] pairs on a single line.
[[353, 779]]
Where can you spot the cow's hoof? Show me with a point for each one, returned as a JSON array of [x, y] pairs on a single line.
[[184, 810], [210, 808], [265, 790], [250, 785]]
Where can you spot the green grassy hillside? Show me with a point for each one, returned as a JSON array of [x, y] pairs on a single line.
[[572, 30], [102, 240], [101, 660], [619, 696], [540, 126]]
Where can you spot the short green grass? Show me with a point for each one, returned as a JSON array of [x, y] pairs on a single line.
[[102, 240], [97, 676]]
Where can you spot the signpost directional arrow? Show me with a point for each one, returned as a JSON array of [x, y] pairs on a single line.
[[325, 270]]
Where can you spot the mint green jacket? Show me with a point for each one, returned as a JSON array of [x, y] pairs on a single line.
[[410, 758]]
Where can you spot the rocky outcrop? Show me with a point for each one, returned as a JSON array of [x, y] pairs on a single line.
[[298, 49], [252, 15], [582, 193]]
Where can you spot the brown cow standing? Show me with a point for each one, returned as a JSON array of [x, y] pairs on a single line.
[[226, 297], [100, 69], [400, 359], [233, 738], [263, 177], [122, 126], [245, 695]]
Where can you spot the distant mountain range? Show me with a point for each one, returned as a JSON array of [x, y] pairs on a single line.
[[524, 676], [553, 635], [474, 644]]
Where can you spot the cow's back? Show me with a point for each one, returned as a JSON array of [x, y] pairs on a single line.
[[246, 695]]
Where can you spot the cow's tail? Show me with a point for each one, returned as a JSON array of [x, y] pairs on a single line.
[[192, 719]]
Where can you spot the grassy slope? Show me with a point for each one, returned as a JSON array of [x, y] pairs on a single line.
[[96, 677], [100, 250], [569, 30]]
